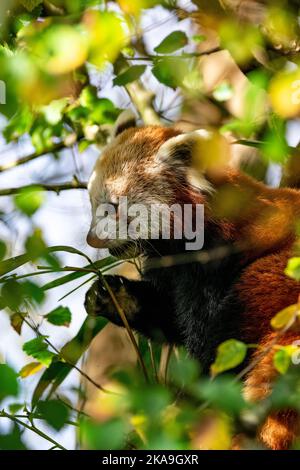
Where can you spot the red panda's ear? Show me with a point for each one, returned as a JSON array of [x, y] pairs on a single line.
[[200, 153], [125, 120], [180, 149]]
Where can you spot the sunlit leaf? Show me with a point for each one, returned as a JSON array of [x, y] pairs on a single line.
[[241, 39], [285, 317], [284, 92], [38, 349], [30, 369], [230, 354], [29, 200], [94, 109], [171, 71], [61, 49], [282, 360], [106, 34], [19, 124], [53, 112], [174, 41], [293, 268]]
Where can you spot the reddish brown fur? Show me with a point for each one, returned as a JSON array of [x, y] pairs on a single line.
[[265, 228], [261, 223]]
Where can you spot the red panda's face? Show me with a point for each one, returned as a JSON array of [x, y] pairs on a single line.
[[143, 166]]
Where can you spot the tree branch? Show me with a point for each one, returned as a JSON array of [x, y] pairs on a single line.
[[75, 184], [32, 428], [143, 101], [32, 156]]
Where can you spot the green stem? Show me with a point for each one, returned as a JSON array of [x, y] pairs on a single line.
[[3, 414]]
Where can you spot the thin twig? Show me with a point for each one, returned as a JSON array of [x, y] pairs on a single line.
[[32, 156], [32, 428], [74, 366], [46, 187], [127, 326]]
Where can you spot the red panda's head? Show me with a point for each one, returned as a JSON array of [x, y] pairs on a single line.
[[149, 165]]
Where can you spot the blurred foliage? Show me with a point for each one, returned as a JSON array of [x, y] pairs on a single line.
[[49, 53]]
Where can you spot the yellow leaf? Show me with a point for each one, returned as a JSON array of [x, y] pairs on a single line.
[[30, 369], [285, 317], [284, 93], [106, 36]]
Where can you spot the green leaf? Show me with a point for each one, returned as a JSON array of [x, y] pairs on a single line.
[[130, 75], [35, 345], [19, 124], [103, 436], [223, 92], [33, 291], [61, 316], [8, 382], [29, 200], [13, 294], [230, 354], [2, 250], [12, 440], [53, 112], [35, 245], [15, 407], [13, 263], [54, 412], [183, 370], [282, 360], [31, 4], [222, 392], [285, 317], [72, 351], [38, 349], [101, 264], [198, 38], [293, 268], [172, 43], [171, 71]]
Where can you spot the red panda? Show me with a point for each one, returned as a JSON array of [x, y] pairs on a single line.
[[190, 303]]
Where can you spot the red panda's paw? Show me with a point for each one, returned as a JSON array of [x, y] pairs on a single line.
[[99, 300]]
